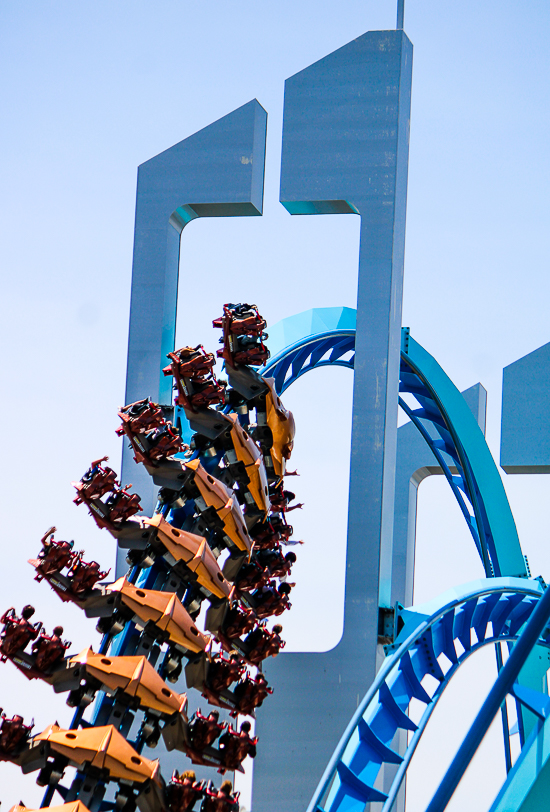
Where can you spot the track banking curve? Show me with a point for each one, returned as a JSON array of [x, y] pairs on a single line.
[[326, 337], [435, 640]]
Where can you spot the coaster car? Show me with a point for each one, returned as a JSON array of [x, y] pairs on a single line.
[[78, 584], [96, 482], [190, 362], [152, 437], [14, 737], [140, 417], [162, 612], [197, 738], [184, 791], [102, 748], [243, 334], [195, 381], [218, 496], [132, 679], [194, 552], [241, 319], [112, 512], [246, 462], [54, 556]]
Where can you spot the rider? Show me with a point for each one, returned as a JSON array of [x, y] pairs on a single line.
[[250, 693], [95, 468], [184, 791], [49, 649], [17, 632], [251, 576], [270, 601], [261, 643], [54, 554], [237, 622], [222, 672], [222, 800], [85, 576], [13, 733], [95, 483], [236, 746], [204, 730], [277, 565]]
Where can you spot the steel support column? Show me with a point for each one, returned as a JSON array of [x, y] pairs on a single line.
[[217, 172], [345, 150]]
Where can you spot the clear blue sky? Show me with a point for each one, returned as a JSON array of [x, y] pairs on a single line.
[[92, 89]]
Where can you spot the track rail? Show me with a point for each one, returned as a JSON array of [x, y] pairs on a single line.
[[435, 641], [440, 414]]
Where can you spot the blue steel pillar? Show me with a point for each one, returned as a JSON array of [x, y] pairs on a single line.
[[345, 150], [217, 172]]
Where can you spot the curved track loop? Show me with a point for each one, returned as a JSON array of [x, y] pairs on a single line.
[[441, 415], [434, 642]]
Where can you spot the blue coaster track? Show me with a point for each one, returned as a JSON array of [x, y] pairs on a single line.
[[435, 639], [441, 416]]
